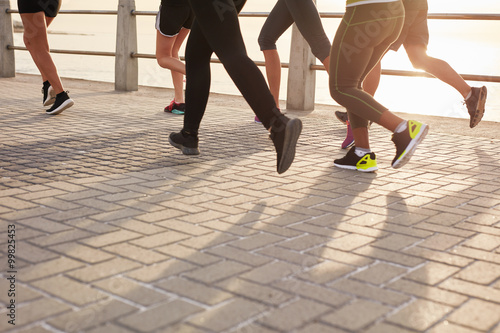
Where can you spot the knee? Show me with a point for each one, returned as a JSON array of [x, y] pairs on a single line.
[[337, 94], [266, 42], [320, 48], [419, 61], [26, 41]]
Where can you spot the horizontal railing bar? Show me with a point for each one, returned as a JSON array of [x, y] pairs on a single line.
[[75, 52], [397, 72], [438, 16], [468, 77], [212, 60], [76, 11], [434, 16]]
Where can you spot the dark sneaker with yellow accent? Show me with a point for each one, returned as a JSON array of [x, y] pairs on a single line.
[[185, 141], [285, 133], [407, 141], [61, 103], [475, 105], [351, 161]]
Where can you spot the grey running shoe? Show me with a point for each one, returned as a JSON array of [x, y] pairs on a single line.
[[285, 133], [475, 105], [342, 116]]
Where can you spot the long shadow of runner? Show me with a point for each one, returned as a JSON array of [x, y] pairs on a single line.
[[248, 251]]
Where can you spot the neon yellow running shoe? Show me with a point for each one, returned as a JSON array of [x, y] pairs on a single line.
[[407, 141], [351, 161]]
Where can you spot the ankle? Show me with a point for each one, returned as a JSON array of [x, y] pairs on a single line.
[[401, 127]]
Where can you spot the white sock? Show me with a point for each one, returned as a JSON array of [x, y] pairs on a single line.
[[469, 95], [362, 151], [401, 127]]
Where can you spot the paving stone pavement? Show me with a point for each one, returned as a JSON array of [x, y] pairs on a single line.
[[116, 231]]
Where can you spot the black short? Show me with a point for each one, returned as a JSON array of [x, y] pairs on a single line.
[[49, 7], [171, 19]]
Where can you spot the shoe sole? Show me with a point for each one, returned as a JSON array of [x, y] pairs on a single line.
[[480, 108], [185, 150], [65, 105], [350, 167], [51, 97], [410, 150], [292, 133]]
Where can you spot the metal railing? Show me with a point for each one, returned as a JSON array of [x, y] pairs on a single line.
[[126, 53]]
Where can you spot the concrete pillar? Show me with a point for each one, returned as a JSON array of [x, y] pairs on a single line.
[[7, 59], [301, 79], [126, 67]]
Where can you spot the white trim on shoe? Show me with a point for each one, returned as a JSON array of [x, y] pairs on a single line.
[[65, 105]]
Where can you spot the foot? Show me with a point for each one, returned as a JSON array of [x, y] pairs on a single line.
[[179, 108], [285, 133], [257, 120], [475, 105], [61, 103], [342, 116], [185, 141], [349, 138], [49, 94], [351, 161], [407, 141], [176, 108]]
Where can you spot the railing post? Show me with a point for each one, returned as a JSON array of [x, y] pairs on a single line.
[[126, 67], [301, 78], [7, 59]]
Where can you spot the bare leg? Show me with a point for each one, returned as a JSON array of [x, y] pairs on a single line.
[[326, 63], [164, 47], [273, 72], [35, 39], [177, 78], [437, 67]]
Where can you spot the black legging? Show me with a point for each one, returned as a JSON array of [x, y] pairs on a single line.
[[216, 29]]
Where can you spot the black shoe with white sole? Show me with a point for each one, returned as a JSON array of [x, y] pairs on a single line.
[[61, 103]]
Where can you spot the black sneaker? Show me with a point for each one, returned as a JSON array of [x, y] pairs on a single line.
[[351, 161], [49, 94], [285, 133], [407, 141], [185, 141], [475, 105], [342, 116], [61, 103], [179, 108]]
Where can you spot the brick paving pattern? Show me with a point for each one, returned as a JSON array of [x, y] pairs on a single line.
[[117, 231]]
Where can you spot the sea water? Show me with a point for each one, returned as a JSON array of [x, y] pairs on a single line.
[[469, 46]]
